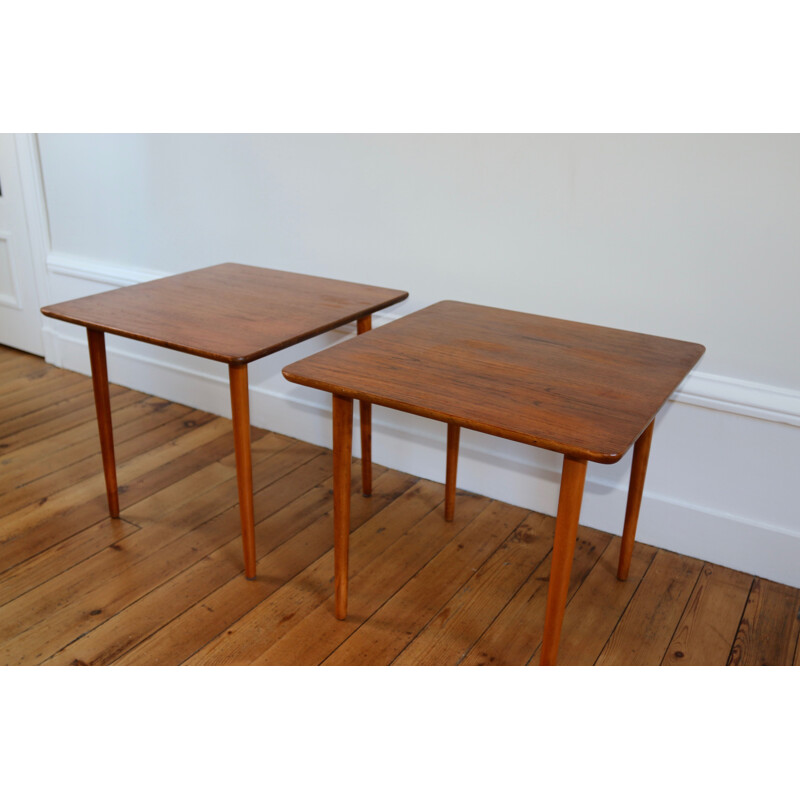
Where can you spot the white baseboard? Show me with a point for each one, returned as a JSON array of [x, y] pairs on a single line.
[[744, 398], [695, 501], [89, 269]]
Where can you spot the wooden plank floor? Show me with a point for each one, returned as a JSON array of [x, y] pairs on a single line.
[[164, 583]]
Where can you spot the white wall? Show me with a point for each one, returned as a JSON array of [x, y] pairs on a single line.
[[691, 236]]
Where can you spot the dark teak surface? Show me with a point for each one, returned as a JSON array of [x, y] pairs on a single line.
[[582, 390], [230, 312]]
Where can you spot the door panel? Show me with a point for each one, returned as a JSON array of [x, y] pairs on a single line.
[[20, 320]]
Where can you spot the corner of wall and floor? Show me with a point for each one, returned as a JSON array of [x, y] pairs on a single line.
[[721, 484]]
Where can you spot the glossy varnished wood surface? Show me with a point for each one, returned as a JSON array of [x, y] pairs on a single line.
[[229, 312], [163, 583], [582, 390]]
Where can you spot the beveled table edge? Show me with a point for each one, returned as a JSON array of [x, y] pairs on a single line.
[[502, 433], [51, 311], [596, 456]]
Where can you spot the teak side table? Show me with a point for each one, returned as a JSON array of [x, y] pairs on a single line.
[[585, 391], [231, 313]]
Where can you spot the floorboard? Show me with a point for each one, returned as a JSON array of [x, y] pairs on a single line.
[[648, 622], [768, 630], [164, 584]]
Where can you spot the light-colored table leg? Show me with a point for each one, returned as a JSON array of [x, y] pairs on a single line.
[[453, 434], [641, 453], [573, 476], [365, 418], [342, 456], [97, 358], [240, 407]]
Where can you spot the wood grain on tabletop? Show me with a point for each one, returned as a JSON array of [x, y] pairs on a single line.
[[229, 312], [582, 390]]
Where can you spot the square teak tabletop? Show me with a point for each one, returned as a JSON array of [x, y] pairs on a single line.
[[231, 313], [585, 391]]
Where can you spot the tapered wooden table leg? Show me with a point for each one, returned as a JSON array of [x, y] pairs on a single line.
[[641, 454], [342, 455], [365, 418], [97, 358], [573, 476], [453, 434], [240, 408]]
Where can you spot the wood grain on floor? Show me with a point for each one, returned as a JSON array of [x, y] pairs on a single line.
[[164, 583]]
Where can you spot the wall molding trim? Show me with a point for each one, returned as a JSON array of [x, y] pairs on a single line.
[[88, 269], [703, 389], [736, 396]]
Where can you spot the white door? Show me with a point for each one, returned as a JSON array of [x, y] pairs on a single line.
[[20, 320]]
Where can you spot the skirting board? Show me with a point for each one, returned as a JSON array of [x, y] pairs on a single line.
[[716, 392], [506, 471]]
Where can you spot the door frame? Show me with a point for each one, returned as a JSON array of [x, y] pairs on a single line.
[[35, 209]]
